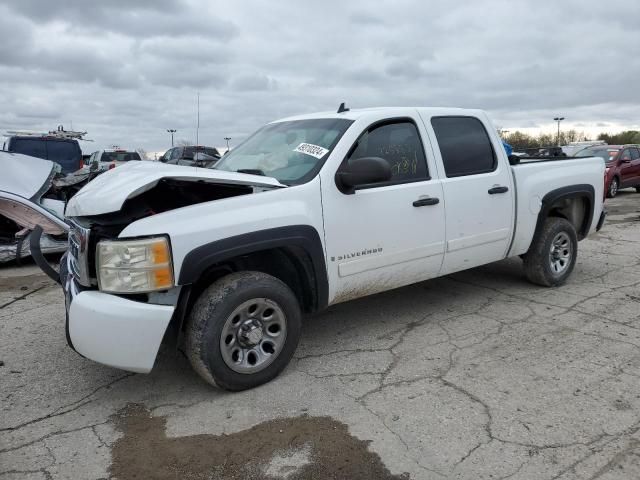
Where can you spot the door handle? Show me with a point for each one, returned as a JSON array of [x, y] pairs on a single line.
[[421, 202], [494, 190]]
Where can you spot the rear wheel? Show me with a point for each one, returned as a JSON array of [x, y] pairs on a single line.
[[552, 255], [614, 186], [243, 330]]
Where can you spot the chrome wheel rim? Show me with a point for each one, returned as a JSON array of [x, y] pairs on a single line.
[[560, 254], [253, 335], [614, 188]]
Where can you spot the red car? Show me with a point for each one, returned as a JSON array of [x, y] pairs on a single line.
[[622, 166]]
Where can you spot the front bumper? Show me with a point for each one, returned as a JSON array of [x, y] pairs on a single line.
[[113, 330]]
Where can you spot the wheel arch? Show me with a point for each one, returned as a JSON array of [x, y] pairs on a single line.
[[574, 203], [294, 254]]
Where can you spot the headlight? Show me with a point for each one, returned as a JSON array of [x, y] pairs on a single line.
[[134, 266]]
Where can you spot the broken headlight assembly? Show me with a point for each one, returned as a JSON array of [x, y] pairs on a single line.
[[134, 266]]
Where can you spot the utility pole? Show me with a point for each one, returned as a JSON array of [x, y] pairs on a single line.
[[558, 119], [171, 131], [227, 139]]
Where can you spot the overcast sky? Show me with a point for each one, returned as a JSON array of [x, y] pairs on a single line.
[[127, 70]]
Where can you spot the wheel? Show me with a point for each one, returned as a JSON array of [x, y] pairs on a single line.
[[638, 189], [243, 330], [552, 255], [613, 187]]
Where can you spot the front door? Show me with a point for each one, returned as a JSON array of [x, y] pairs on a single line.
[[478, 193], [390, 234]]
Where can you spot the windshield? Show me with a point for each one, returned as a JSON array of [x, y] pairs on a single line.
[[607, 154], [119, 156], [291, 152]]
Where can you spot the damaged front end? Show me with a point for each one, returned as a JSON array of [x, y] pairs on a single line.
[[122, 196]]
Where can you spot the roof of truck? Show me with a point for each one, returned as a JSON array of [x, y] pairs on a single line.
[[355, 114]]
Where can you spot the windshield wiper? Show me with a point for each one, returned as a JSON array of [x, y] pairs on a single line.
[[251, 171]]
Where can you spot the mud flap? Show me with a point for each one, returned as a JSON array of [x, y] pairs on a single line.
[[38, 257]]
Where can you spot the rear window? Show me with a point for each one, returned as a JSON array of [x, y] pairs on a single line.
[[34, 147], [67, 154], [64, 152], [119, 156], [465, 146], [190, 151]]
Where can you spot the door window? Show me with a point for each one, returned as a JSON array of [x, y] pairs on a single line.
[[400, 145], [626, 155], [176, 153], [635, 153], [465, 146]]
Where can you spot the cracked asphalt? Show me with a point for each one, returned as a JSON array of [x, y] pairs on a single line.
[[478, 375]]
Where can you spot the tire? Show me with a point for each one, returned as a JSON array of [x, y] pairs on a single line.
[[637, 189], [552, 255], [225, 332], [614, 186]]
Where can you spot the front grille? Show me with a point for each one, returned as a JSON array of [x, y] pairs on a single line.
[[79, 253]]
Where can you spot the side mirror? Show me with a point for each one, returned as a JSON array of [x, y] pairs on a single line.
[[626, 160], [362, 171]]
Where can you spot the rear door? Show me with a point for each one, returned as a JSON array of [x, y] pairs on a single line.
[[635, 166], [627, 169], [478, 192]]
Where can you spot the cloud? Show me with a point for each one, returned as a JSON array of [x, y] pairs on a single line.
[[127, 71]]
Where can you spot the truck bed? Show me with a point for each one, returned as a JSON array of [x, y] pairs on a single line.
[[535, 177]]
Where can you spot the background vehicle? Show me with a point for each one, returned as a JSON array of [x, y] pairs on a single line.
[[338, 206], [572, 148], [111, 158], [65, 152], [622, 164], [192, 156]]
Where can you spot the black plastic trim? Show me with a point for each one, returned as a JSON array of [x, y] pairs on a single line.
[[570, 191], [603, 215], [197, 261]]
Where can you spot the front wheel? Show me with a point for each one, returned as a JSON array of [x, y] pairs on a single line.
[[614, 186], [552, 255], [243, 330]]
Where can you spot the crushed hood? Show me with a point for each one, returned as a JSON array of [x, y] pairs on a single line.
[[26, 176], [108, 192]]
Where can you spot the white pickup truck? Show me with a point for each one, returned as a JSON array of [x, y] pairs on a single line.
[[308, 212]]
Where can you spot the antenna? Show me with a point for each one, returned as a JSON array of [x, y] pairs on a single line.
[[198, 123], [342, 108]]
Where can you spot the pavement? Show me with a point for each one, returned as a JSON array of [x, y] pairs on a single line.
[[478, 375]]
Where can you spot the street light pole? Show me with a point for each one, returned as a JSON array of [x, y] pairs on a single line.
[[227, 139], [558, 119], [171, 131]]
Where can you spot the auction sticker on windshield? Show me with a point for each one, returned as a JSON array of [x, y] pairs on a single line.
[[310, 149]]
